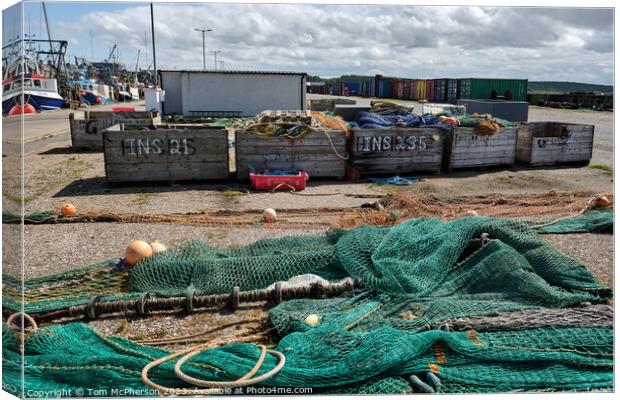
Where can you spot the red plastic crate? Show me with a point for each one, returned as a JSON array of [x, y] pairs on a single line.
[[123, 109], [282, 182]]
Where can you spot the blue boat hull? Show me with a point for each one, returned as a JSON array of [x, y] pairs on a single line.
[[39, 103]]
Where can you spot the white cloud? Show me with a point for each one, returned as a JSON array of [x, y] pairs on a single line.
[[409, 41]]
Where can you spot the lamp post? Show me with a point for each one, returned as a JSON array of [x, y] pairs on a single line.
[[204, 57], [215, 57]]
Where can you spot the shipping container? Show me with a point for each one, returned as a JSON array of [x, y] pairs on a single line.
[[421, 89], [407, 89], [452, 90], [394, 88], [440, 90], [502, 89], [430, 90], [385, 88], [350, 88], [401, 89]]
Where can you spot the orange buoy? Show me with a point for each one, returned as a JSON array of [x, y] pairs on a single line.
[[68, 210], [18, 109], [601, 201], [137, 251]]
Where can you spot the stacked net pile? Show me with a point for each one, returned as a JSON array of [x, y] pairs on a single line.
[[423, 278]]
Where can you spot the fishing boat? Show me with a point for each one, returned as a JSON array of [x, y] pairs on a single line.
[[89, 92], [38, 91], [22, 77]]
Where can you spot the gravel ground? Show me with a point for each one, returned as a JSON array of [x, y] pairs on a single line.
[[595, 251], [86, 243]]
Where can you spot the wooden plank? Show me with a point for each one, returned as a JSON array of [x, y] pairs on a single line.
[[554, 142], [465, 148], [396, 150], [313, 153], [166, 154], [118, 115], [86, 133]]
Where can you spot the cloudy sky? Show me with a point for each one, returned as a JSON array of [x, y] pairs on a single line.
[[329, 40]]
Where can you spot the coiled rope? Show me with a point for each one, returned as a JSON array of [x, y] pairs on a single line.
[[246, 380]]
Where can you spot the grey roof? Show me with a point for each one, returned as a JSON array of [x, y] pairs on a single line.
[[234, 72]]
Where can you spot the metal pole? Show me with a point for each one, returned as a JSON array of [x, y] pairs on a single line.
[[204, 56], [92, 54], [204, 52], [153, 36], [215, 57]]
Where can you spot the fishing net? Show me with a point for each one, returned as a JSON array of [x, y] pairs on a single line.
[[594, 220], [600, 316], [419, 276], [327, 359]]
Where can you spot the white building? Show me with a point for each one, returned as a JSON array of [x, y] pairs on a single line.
[[245, 93]]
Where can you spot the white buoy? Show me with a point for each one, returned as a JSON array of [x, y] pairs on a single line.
[[312, 320], [157, 247], [269, 215]]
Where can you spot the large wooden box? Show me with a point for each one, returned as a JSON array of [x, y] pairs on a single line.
[[86, 133], [543, 143], [465, 149], [320, 154], [165, 153], [396, 150]]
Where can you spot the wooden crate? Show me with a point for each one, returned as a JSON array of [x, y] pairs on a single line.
[[327, 104], [396, 150], [544, 143], [165, 154], [465, 149], [86, 133], [313, 153]]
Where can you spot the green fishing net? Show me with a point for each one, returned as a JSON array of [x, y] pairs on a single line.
[[420, 276], [592, 221]]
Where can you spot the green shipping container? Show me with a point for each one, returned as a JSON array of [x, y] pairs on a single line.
[[503, 89]]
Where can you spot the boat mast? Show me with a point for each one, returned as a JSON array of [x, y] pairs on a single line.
[[49, 35]]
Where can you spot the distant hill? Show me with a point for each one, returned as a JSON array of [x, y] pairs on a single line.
[[566, 87]]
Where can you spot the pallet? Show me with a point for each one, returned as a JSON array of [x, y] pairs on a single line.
[[548, 143], [466, 149], [313, 153], [165, 154], [300, 116], [86, 133], [396, 150]]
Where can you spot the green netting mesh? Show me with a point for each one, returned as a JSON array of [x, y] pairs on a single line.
[[419, 275], [591, 221], [327, 358]]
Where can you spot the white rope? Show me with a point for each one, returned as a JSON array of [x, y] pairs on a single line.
[[192, 351], [345, 157]]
